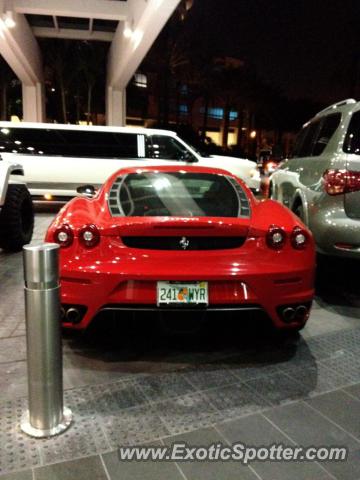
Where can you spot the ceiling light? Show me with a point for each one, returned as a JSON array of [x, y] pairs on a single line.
[[9, 20]]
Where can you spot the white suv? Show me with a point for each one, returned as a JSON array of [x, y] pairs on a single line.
[[16, 208]]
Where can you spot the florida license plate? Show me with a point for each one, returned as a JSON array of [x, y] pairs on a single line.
[[173, 293]]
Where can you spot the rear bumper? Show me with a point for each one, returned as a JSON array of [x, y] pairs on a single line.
[[335, 233], [266, 291]]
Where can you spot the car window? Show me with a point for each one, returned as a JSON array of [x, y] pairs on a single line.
[[183, 194], [328, 127], [71, 143], [168, 148], [299, 141], [310, 138], [352, 138]]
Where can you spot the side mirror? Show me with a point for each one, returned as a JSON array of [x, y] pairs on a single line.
[[189, 157], [87, 191]]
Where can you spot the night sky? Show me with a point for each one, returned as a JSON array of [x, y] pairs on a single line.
[[309, 48]]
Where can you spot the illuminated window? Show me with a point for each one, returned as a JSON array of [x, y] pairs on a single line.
[[140, 80], [217, 113], [183, 109]]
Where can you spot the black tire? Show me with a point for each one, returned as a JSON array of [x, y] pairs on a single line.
[[299, 211], [16, 219], [270, 190]]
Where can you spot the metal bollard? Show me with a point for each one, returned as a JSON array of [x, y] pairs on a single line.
[[46, 415]]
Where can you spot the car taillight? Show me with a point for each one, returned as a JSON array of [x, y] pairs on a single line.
[[275, 237], [299, 238], [89, 236], [64, 236], [341, 181]]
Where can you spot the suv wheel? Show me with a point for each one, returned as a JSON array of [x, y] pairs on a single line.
[[299, 211], [16, 219]]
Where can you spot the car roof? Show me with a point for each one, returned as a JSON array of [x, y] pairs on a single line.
[[343, 106], [94, 128]]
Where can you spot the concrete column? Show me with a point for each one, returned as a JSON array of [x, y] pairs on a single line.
[[33, 102], [21, 51], [132, 40], [115, 106]]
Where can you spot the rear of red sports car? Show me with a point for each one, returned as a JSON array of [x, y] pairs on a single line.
[[195, 238]]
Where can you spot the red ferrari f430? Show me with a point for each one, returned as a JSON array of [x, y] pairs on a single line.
[[183, 238]]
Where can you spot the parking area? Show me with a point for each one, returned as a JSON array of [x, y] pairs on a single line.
[[231, 381]]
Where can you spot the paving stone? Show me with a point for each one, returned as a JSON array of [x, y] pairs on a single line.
[[256, 430], [307, 427], [182, 414], [134, 426], [160, 387], [316, 378], [209, 470], [278, 388], [340, 408], [235, 400], [82, 469], [12, 349], [147, 470], [23, 475], [354, 390]]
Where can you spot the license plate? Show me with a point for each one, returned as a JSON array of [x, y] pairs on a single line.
[[173, 293]]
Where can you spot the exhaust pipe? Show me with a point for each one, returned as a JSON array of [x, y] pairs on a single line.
[[73, 315], [301, 312], [289, 314]]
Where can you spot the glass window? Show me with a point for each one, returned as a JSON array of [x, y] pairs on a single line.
[[81, 143], [184, 194], [298, 142], [352, 139], [328, 127], [309, 139], [233, 115], [71, 143], [183, 109], [29, 141], [168, 148], [140, 80]]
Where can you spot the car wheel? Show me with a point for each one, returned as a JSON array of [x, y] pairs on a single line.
[[270, 191], [299, 211], [16, 219]]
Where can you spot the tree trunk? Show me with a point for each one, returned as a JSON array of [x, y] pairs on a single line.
[[226, 125], [3, 110], [177, 113], [166, 98], [205, 119], [89, 101], [239, 140], [63, 102]]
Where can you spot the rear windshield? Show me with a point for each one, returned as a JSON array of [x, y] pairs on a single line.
[[352, 139], [183, 194]]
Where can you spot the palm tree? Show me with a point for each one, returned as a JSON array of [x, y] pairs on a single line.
[[6, 75], [61, 68], [91, 61]]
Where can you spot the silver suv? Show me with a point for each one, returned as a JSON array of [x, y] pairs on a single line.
[[321, 182]]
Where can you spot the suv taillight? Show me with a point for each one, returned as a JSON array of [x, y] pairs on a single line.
[[338, 182]]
